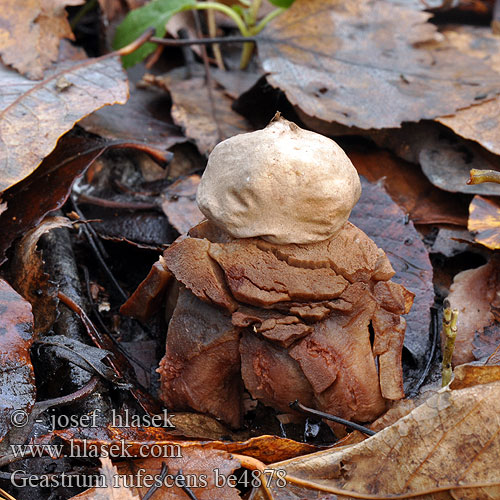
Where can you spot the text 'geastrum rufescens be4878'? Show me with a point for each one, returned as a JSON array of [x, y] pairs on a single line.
[[279, 294]]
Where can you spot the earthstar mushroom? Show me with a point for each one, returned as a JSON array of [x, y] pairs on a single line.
[[279, 294], [283, 184]]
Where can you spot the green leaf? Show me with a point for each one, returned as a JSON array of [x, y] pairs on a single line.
[[282, 3], [156, 14]]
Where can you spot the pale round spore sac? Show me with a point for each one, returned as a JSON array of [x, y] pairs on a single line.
[[283, 184]]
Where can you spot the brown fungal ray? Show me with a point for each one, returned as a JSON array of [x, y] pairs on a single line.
[[306, 328], [201, 366], [274, 326], [149, 295], [338, 362], [191, 264], [393, 297], [211, 232], [350, 253], [260, 278], [271, 375], [389, 335]]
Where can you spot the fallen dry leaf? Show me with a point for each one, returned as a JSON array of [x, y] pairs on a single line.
[[180, 205], [191, 108], [144, 117], [481, 122], [410, 189], [47, 188], [383, 221], [198, 468], [111, 485], [17, 380], [339, 62], [484, 221], [445, 159], [446, 448], [146, 441], [35, 114], [31, 32], [476, 295], [29, 278], [470, 375]]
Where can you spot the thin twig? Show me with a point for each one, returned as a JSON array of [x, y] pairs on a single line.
[[202, 41], [88, 230], [434, 339], [124, 205], [104, 327], [118, 362], [157, 485], [212, 31], [131, 47], [208, 75], [351, 425], [184, 486], [6, 496], [78, 395]]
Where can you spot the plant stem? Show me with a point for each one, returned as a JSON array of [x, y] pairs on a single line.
[[224, 9], [450, 318], [480, 176], [254, 30], [257, 29], [212, 31], [176, 42], [82, 12], [253, 12]]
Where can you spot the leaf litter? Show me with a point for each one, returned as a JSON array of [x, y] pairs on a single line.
[[42, 113], [39, 25], [339, 62], [391, 65]]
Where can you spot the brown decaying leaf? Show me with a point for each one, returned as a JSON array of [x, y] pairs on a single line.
[[383, 221], [47, 188], [198, 468], [470, 375], [479, 123], [191, 108], [358, 63], [29, 278], [111, 486], [31, 124], [111, 8], [446, 448], [37, 24], [144, 117], [17, 380], [476, 295], [144, 441], [180, 206], [445, 159], [410, 189], [484, 221]]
